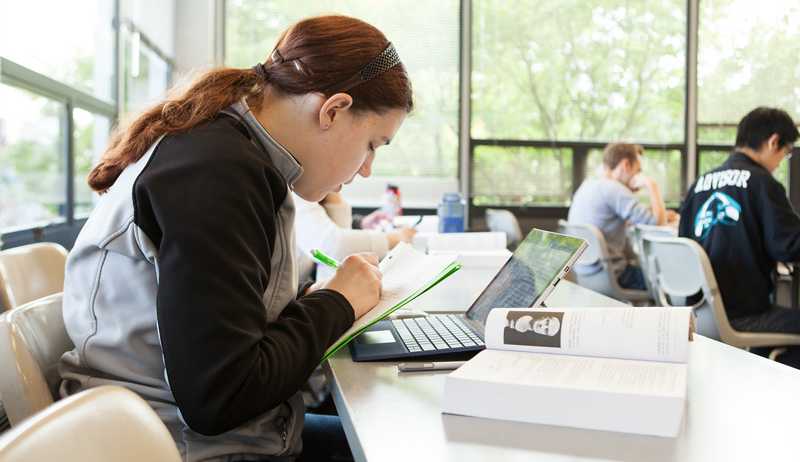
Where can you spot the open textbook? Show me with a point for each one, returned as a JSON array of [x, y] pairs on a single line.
[[615, 369], [407, 274]]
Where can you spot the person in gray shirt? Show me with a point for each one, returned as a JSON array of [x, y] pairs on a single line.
[[609, 203]]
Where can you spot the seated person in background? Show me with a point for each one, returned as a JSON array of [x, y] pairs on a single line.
[[608, 202], [741, 216], [327, 226]]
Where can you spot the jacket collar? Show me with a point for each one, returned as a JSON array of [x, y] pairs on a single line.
[[283, 160], [740, 157]]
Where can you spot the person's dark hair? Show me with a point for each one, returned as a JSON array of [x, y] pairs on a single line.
[[761, 123], [324, 55], [615, 153]]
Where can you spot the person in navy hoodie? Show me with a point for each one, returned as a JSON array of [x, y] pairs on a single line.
[[742, 217]]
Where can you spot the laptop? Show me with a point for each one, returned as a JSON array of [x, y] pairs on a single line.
[[525, 280]]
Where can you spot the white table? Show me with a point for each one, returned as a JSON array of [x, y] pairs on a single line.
[[741, 408]]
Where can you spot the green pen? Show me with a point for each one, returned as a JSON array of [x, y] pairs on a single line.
[[320, 256]]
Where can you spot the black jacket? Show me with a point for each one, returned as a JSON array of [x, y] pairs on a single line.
[[741, 216]]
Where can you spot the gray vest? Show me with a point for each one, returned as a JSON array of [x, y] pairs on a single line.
[[110, 315]]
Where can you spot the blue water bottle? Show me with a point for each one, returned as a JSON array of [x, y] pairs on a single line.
[[451, 213]]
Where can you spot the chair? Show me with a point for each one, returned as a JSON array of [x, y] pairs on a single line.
[[637, 232], [683, 269], [593, 269], [31, 272], [32, 340], [504, 221], [99, 424]]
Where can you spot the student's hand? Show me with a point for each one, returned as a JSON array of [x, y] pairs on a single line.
[[359, 281], [400, 235], [374, 219], [640, 181], [315, 286], [332, 198], [673, 217]]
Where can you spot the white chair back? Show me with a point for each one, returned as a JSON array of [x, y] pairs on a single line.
[[596, 251], [97, 425], [31, 272], [504, 221], [637, 239], [593, 269], [32, 340], [682, 269]]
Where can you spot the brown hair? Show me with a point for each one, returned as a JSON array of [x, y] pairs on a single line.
[[615, 153], [316, 55]]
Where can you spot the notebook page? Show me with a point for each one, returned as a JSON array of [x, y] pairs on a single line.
[[404, 271], [407, 273]]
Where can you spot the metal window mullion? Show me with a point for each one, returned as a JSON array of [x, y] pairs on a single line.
[[69, 159], [116, 87], [580, 154], [690, 163], [146, 40], [566, 144], [465, 106], [19, 76], [219, 32], [794, 172]]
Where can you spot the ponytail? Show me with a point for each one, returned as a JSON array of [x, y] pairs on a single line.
[[211, 93]]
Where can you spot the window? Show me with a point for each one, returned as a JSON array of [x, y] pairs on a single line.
[[569, 73], [32, 167], [547, 177], [747, 57], [91, 138], [71, 42], [426, 36], [147, 30], [147, 75], [568, 70], [60, 90]]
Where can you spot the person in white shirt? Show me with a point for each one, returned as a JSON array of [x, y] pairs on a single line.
[[327, 226]]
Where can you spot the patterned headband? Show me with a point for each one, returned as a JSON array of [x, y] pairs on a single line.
[[387, 59]]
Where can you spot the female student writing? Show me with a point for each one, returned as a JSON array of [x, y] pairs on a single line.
[[182, 285]]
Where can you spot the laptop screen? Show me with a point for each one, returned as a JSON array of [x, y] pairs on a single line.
[[537, 261]]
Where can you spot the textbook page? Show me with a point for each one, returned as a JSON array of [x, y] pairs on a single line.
[[644, 333], [575, 372], [458, 242], [644, 397], [407, 274]]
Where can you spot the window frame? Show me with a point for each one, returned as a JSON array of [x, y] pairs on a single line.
[[691, 149], [71, 98]]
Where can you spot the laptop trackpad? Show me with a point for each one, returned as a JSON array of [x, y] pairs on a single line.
[[376, 336]]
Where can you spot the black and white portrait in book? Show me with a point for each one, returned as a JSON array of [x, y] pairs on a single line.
[[533, 328]]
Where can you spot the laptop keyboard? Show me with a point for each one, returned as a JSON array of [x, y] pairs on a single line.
[[436, 332]]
